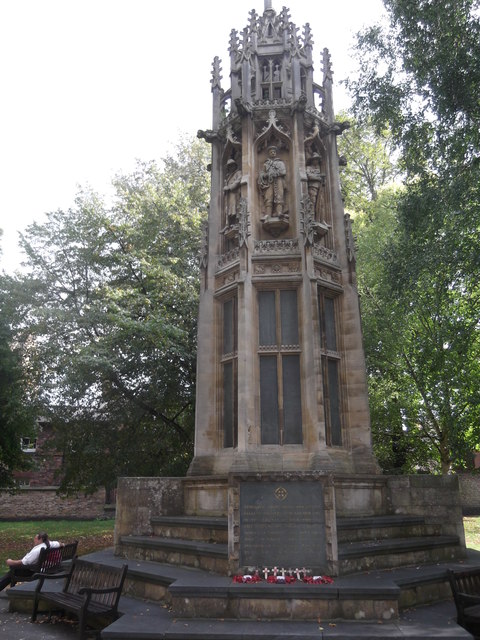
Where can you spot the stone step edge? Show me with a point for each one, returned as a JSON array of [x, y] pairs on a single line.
[[303, 592], [213, 549], [139, 628], [378, 522], [203, 582], [192, 521], [217, 522], [397, 545], [346, 550]]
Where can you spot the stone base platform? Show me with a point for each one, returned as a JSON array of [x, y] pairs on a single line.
[[142, 619]]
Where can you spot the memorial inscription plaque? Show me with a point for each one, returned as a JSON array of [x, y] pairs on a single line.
[[282, 524]]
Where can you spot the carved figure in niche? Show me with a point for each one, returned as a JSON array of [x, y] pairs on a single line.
[[231, 190], [276, 73], [316, 179], [271, 182]]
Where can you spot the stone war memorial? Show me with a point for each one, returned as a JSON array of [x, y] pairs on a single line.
[[283, 481]]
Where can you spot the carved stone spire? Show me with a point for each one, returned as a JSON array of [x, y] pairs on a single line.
[[216, 77]]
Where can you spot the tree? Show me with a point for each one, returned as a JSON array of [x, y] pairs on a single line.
[[368, 163], [420, 76], [107, 316], [422, 356], [16, 413]]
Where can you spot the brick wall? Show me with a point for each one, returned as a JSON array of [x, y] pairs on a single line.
[[31, 503], [46, 462]]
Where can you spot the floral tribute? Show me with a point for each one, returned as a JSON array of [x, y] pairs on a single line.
[[281, 576]]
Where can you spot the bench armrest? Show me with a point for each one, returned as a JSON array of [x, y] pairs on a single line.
[[41, 577], [468, 600]]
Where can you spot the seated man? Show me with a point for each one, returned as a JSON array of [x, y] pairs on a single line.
[[27, 566]]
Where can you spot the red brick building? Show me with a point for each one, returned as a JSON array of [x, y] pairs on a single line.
[[46, 462]]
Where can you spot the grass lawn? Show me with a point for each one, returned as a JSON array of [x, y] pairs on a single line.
[[472, 532], [16, 538]]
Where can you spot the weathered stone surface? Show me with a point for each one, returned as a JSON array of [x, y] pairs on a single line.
[[140, 498]]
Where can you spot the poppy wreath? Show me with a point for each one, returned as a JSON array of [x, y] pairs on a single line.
[[281, 579]]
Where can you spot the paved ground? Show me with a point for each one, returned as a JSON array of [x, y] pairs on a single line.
[[17, 626]]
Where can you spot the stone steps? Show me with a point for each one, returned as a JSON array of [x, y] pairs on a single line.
[[394, 552], [193, 593], [141, 620], [141, 628], [375, 527], [187, 553], [389, 541], [365, 544]]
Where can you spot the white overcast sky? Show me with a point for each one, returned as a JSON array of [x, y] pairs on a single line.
[[89, 86]]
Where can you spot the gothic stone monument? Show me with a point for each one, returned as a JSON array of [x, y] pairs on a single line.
[[282, 434], [281, 370]]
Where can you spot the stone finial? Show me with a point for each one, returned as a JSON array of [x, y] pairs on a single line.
[[247, 47], [295, 47], [284, 17], [327, 66], [253, 21], [268, 5], [216, 70], [307, 36], [233, 41]]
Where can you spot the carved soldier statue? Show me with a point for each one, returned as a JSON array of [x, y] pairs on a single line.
[[271, 182], [231, 191]]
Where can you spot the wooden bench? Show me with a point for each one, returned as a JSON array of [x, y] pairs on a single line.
[[465, 584], [50, 560], [91, 591]]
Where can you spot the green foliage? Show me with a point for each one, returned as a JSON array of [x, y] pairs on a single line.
[[420, 77], [422, 353], [107, 316], [16, 414], [369, 163]]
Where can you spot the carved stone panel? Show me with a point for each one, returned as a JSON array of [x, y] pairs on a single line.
[[328, 275], [276, 268]]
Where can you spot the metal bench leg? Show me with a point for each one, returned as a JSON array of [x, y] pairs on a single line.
[[81, 626], [35, 609]]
